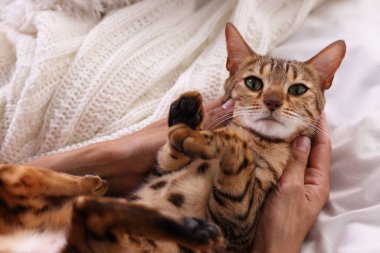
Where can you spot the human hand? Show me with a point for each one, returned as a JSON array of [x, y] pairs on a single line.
[[292, 208], [125, 161]]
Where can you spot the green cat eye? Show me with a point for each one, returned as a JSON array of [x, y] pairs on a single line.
[[254, 83], [297, 89]]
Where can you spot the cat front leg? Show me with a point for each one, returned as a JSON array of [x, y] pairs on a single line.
[[186, 115], [116, 225]]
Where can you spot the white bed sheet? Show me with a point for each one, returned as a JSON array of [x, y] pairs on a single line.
[[350, 222]]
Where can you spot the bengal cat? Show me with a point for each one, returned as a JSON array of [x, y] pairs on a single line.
[[211, 184]]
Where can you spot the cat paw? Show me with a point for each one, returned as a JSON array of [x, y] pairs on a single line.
[[93, 220], [178, 134], [189, 142], [203, 234], [94, 185], [91, 212], [187, 109]]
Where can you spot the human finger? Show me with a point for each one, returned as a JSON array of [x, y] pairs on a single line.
[[213, 103], [295, 168], [318, 173], [320, 155], [322, 136]]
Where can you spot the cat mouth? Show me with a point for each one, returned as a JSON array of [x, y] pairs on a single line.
[[271, 119]]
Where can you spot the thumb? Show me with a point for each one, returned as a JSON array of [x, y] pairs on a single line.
[[295, 168]]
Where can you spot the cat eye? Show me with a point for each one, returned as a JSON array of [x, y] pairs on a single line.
[[297, 89], [253, 83]]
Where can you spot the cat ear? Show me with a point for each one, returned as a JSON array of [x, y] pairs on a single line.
[[237, 48], [327, 61]]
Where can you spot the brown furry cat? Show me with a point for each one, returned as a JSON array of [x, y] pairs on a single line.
[[210, 185]]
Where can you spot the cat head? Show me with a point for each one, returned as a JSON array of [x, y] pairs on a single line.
[[275, 98]]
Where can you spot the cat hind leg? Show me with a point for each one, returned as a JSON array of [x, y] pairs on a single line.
[[106, 220], [37, 188]]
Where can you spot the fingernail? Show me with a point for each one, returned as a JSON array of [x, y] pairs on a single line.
[[303, 143], [228, 105]]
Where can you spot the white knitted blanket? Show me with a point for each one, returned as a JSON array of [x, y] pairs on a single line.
[[80, 81]]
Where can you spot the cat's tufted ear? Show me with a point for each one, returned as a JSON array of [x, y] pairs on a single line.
[[327, 61], [237, 48]]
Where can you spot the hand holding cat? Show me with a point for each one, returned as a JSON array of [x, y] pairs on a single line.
[[125, 161], [294, 205]]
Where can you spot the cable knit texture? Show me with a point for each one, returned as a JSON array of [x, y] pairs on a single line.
[[66, 82]]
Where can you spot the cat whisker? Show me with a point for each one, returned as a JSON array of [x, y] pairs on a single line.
[[247, 112], [218, 120], [314, 124], [237, 113]]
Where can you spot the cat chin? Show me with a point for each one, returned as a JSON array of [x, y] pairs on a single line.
[[272, 129]]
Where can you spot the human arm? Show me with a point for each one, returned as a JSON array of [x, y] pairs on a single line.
[[125, 161], [293, 206]]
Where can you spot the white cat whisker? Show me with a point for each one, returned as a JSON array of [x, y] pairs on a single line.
[[237, 113], [218, 120], [314, 124]]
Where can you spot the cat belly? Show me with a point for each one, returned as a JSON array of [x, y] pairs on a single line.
[[142, 245], [29, 241], [185, 192]]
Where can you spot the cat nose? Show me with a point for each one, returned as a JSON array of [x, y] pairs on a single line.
[[272, 102]]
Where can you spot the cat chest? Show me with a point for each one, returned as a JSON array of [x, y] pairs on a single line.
[[269, 162]]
